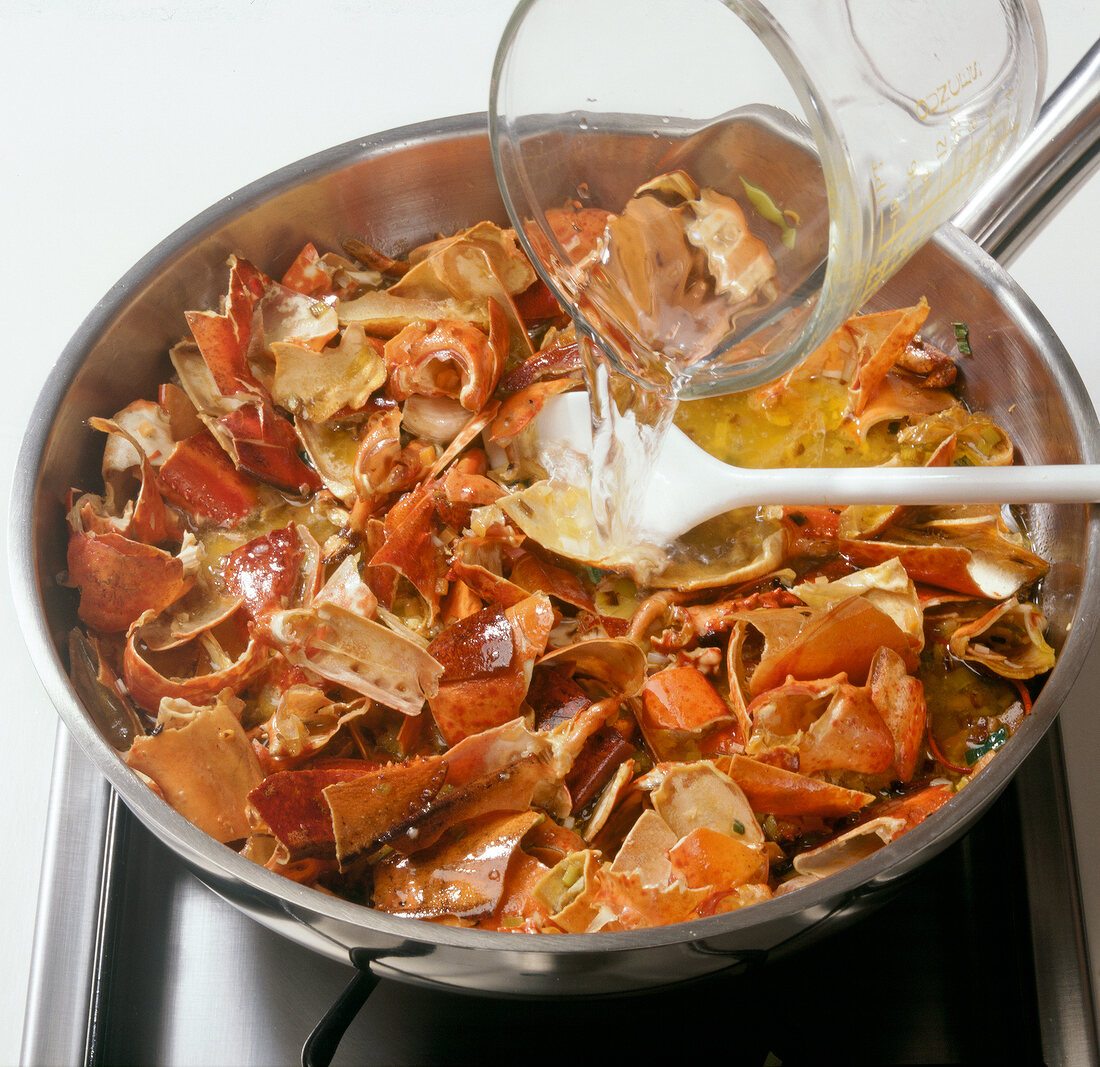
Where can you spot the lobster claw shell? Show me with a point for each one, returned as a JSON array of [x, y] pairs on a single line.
[[706, 858], [617, 663], [683, 716], [120, 580], [1008, 639], [990, 562], [487, 660], [476, 864], [840, 640], [224, 339], [898, 697], [293, 807], [149, 684], [264, 444], [200, 479], [338, 644], [690, 795], [373, 808], [831, 724], [203, 764], [892, 820], [777, 791], [318, 385]]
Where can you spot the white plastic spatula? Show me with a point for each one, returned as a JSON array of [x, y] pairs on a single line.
[[689, 486]]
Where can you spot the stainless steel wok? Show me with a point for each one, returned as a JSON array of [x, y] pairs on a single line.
[[400, 188]]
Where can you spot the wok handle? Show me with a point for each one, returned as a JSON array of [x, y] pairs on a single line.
[[1053, 160], [321, 1045]]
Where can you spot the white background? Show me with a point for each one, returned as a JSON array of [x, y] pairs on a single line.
[[121, 120]]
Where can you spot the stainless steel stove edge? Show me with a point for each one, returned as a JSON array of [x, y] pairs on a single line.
[[69, 926]]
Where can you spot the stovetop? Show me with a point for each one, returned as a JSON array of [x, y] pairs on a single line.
[[980, 956]]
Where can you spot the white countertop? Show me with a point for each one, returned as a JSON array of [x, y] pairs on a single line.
[[123, 120]]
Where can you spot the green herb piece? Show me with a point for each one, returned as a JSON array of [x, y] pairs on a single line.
[[738, 826], [990, 744], [766, 208], [962, 337]]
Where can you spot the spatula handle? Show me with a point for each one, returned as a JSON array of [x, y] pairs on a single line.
[[1078, 483]]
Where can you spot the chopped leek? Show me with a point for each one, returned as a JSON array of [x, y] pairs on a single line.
[[766, 207]]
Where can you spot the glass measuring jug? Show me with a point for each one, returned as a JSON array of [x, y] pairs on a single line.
[[796, 155]]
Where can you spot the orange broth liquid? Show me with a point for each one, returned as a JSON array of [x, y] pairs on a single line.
[[970, 713]]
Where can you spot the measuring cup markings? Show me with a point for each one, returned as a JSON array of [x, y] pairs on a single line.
[[941, 94], [980, 141]]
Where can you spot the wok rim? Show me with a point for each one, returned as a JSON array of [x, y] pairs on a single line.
[[212, 860]]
